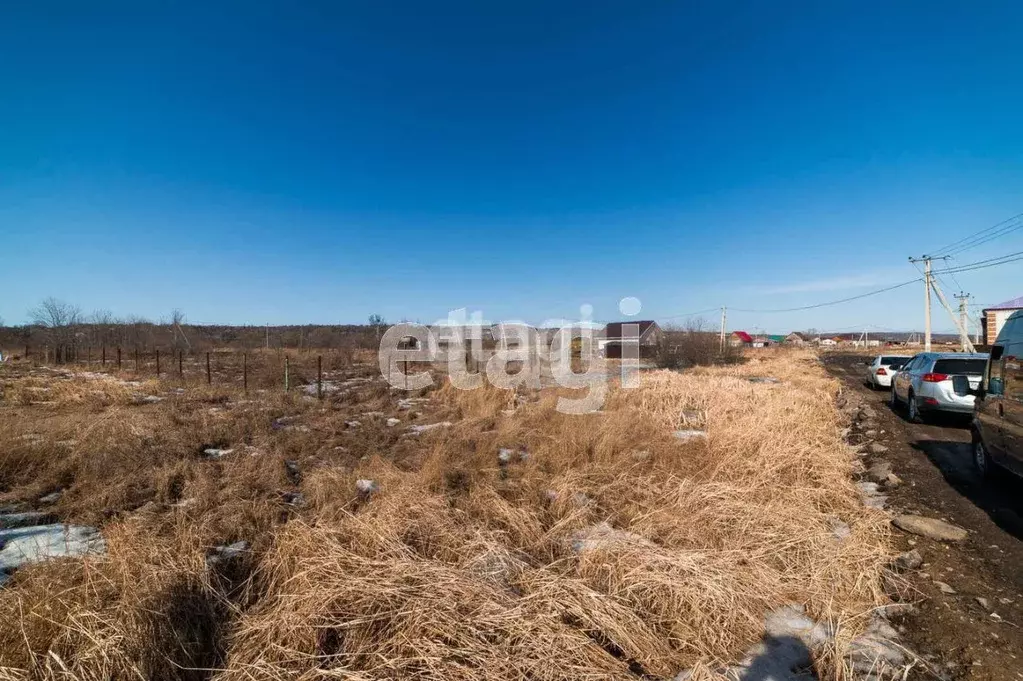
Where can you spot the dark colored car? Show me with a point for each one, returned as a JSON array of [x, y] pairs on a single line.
[[998, 408]]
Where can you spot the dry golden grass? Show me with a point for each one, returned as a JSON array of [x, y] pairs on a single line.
[[610, 550]]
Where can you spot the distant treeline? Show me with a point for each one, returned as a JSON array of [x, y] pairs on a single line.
[[62, 327], [150, 336]]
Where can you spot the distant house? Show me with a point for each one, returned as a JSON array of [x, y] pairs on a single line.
[[993, 318], [796, 338], [650, 335], [829, 342], [739, 339], [766, 341]]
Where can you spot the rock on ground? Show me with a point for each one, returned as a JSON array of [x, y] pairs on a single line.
[[910, 560], [877, 650], [930, 527], [880, 471], [784, 653]]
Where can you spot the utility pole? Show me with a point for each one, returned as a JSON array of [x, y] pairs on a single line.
[[926, 259], [963, 298], [724, 317], [964, 337]]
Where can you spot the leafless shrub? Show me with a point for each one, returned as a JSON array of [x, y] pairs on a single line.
[[691, 345]]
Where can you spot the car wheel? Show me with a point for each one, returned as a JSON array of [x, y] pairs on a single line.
[[893, 399], [914, 411], [980, 458]]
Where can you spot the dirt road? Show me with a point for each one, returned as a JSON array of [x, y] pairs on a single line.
[[973, 633]]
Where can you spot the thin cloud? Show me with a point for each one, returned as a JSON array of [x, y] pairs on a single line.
[[840, 283]]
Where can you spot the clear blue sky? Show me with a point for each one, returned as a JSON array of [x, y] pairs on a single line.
[[258, 162]]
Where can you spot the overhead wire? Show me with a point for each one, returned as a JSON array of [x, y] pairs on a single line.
[[690, 314], [833, 302], [951, 271], [982, 264], [982, 236]]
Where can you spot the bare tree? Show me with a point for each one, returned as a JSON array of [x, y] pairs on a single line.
[[102, 317], [689, 345], [376, 321], [180, 340], [102, 322], [55, 314], [59, 320]]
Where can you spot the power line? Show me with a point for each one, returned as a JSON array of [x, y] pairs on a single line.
[[983, 236], [981, 264], [833, 302], [690, 314]]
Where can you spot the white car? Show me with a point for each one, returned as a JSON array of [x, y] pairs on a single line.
[[881, 370]]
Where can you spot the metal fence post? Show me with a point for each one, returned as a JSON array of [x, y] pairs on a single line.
[[181, 371], [245, 372], [136, 359], [158, 364], [319, 377], [103, 356], [209, 375], [118, 357], [287, 367]]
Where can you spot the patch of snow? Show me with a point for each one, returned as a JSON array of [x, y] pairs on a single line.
[[227, 552], [51, 498], [418, 429], [38, 543], [366, 487], [22, 519]]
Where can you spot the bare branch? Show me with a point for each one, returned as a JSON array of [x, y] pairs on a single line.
[[55, 314]]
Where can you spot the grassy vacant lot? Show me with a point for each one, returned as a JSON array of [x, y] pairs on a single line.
[[601, 547]]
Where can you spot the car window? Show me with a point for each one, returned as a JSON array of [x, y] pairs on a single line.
[[894, 362], [1012, 371], [1011, 331], [993, 382], [914, 364], [1016, 331], [974, 367]]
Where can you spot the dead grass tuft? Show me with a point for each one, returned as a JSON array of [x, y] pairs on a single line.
[[603, 548]]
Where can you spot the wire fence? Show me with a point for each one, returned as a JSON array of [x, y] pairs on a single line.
[[313, 371]]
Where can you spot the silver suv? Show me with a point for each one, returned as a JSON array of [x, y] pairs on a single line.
[[924, 383]]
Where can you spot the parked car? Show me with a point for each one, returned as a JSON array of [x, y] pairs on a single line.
[[924, 384], [998, 408], [881, 370]]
